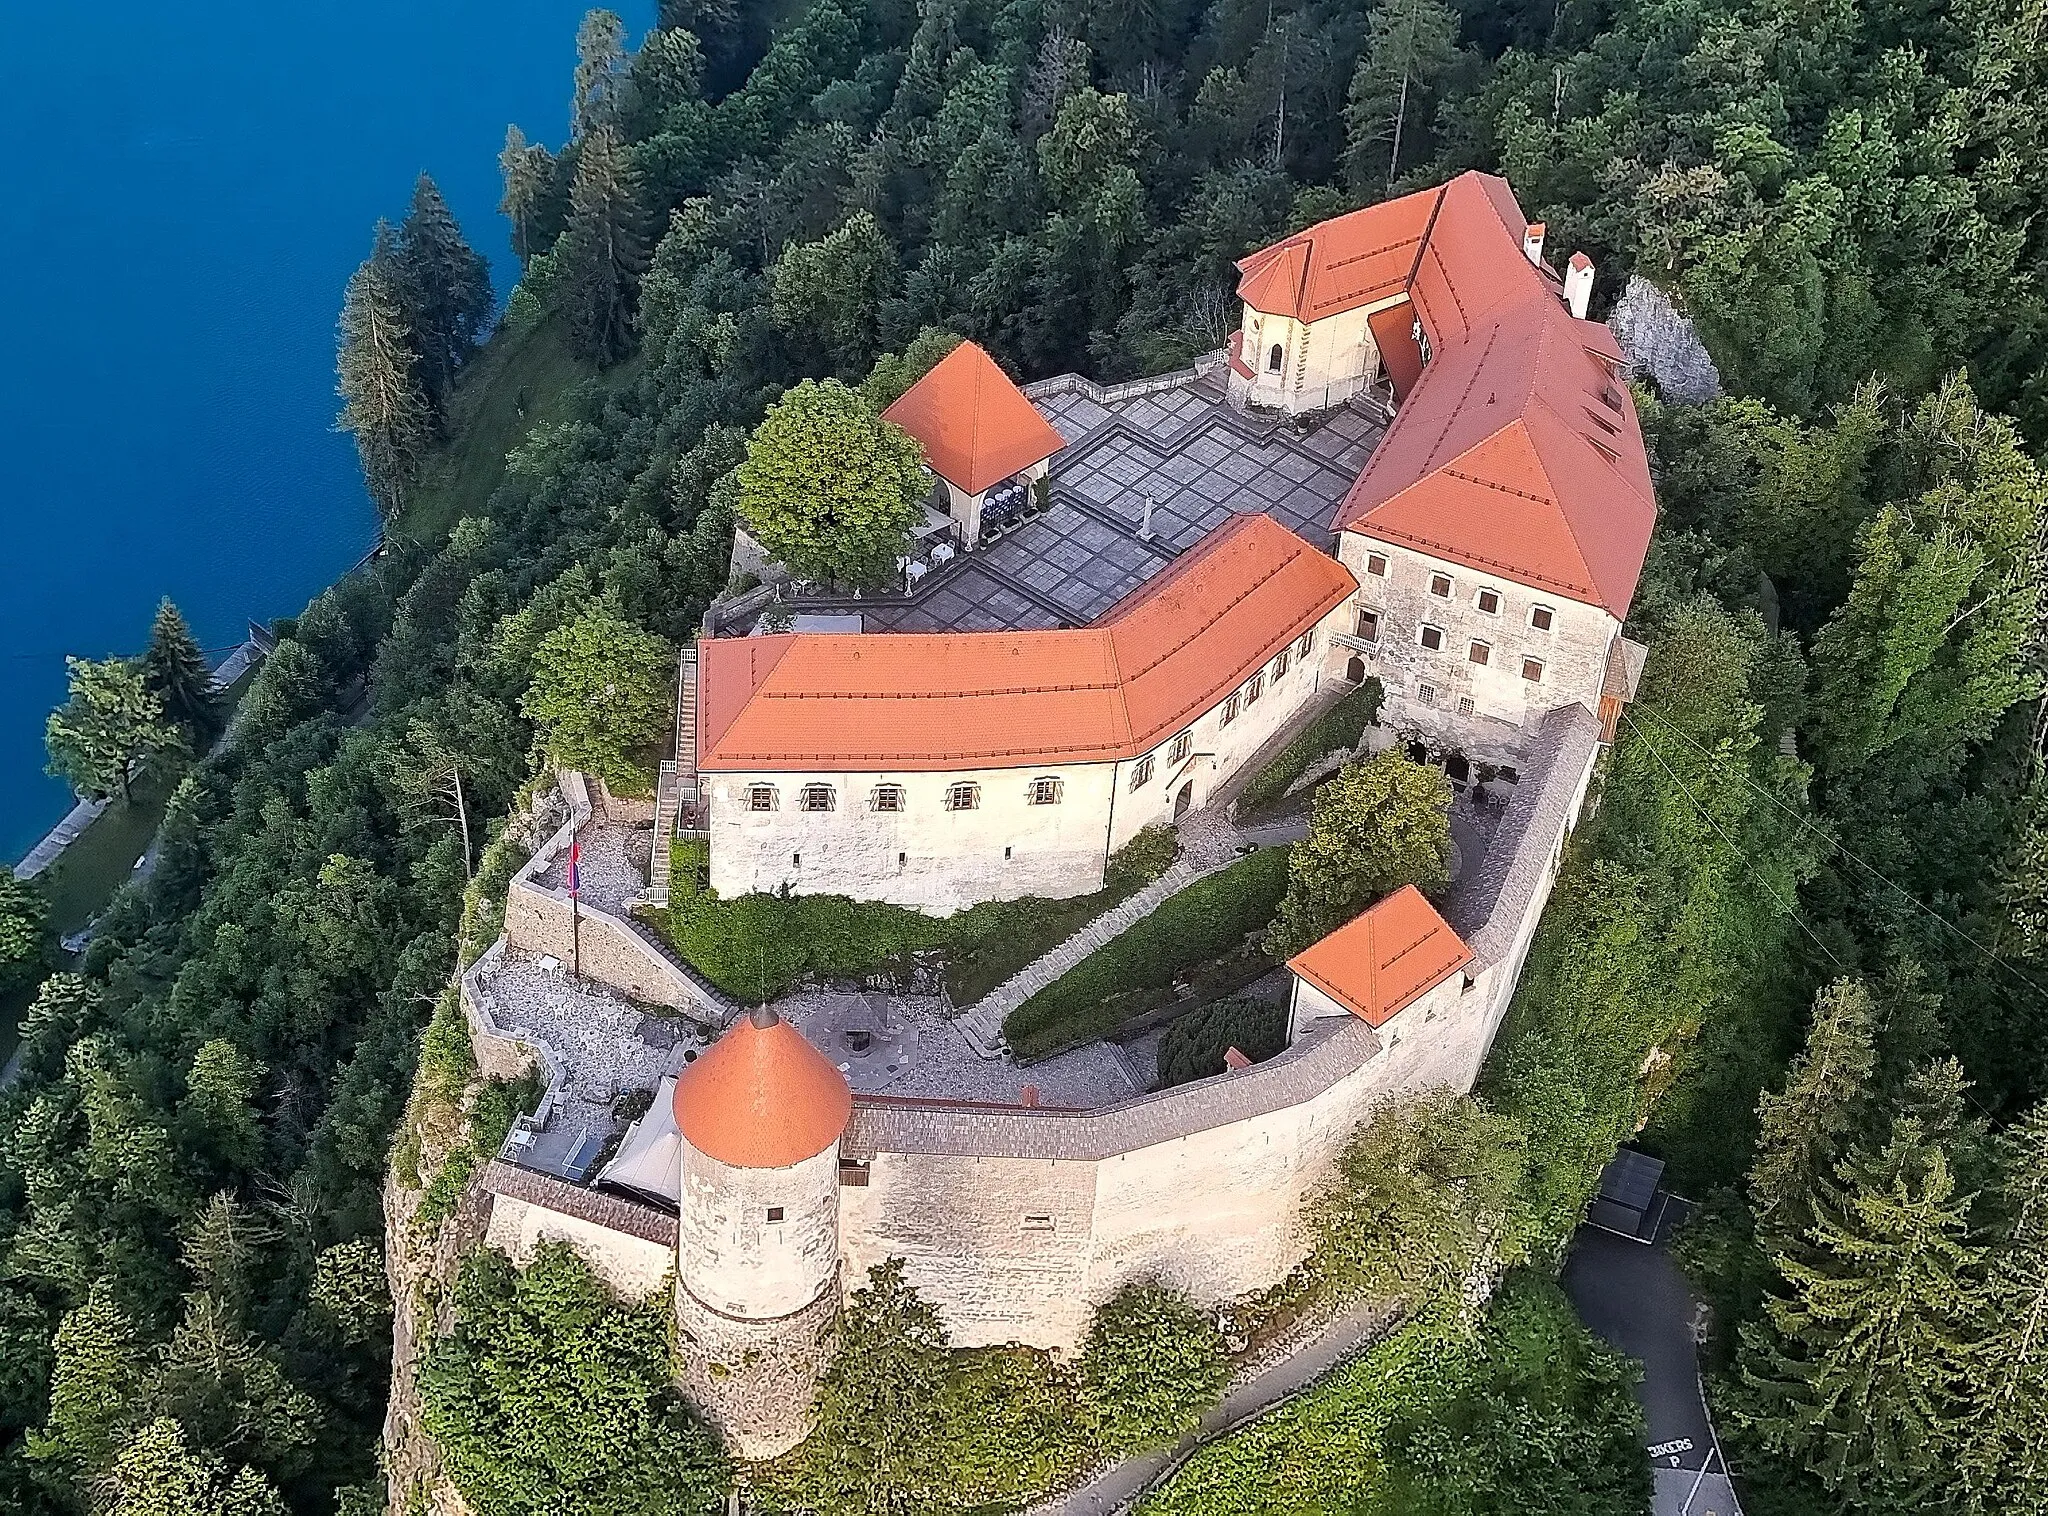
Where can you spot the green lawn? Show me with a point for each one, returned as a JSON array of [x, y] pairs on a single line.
[[521, 380], [80, 883]]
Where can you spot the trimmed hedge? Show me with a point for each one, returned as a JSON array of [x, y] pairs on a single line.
[[1341, 726], [1211, 919], [754, 947], [1194, 1044]]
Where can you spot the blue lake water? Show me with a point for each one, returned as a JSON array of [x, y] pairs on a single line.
[[190, 188]]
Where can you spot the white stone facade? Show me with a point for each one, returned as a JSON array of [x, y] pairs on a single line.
[[758, 1244], [1405, 597], [1300, 367], [1047, 830]]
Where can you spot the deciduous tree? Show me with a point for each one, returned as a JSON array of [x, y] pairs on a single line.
[[830, 291], [829, 488], [603, 693], [1150, 1365], [24, 924], [1380, 823], [111, 729]]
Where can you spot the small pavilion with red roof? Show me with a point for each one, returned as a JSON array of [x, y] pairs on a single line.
[[984, 440], [1379, 965]]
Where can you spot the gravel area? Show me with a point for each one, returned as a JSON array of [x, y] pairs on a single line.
[[922, 1053], [613, 867]]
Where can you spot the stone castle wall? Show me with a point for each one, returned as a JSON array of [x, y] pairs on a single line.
[[753, 1380]]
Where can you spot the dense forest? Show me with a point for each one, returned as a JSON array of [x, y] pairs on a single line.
[[1807, 938]]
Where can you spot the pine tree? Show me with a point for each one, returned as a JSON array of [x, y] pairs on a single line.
[[605, 248], [1860, 1370], [383, 403], [600, 71], [530, 201], [176, 672], [1802, 1128], [446, 287], [2007, 1461], [1412, 46]]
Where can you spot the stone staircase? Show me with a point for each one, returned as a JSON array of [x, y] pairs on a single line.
[[676, 796], [1208, 842]]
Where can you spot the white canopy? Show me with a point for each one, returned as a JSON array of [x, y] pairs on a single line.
[[650, 1155]]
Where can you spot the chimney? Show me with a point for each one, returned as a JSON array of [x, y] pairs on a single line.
[[1578, 285], [1145, 525], [1233, 1060], [1532, 243], [1028, 1097]]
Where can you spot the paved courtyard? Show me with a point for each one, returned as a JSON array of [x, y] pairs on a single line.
[[1198, 461]]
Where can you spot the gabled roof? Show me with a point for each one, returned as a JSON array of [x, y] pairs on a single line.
[[976, 426], [761, 1097], [1386, 959], [911, 701], [1516, 451]]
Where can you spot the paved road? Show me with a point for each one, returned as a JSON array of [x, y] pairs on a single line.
[[1634, 1298], [1118, 1488]]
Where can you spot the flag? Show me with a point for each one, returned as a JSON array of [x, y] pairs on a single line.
[[575, 859]]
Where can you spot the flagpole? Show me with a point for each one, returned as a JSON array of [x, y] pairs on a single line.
[[576, 906]]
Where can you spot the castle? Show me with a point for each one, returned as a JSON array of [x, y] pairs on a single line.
[[1417, 461]]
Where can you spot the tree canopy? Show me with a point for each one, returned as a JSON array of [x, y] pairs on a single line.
[[603, 693], [110, 729], [829, 488]]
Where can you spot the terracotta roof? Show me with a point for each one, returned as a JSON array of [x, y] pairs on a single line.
[[1516, 449], [976, 426], [912, 701], [762, 1097], [1386, 959]]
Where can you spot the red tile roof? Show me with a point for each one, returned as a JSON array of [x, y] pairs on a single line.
[[1516, 450], [912, 701], [976, 426], [1385, 960], [762, 1097]]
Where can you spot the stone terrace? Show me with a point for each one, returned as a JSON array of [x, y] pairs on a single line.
[[1176, 441]]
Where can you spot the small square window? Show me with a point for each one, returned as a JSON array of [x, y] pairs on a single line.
[[1464, 705], [1489, 602], [796, 860], [1254, 687], [816, 797], [1510, 773], [888, 797], [1037, 1223], [1369, 625], [963, 797], [1432, 637], [902, 859], [1230, 710], [1142, 774], [1045, 791], [1532, 670], [760, 797], [1426, 694], [1376, 563], [1540, 617], [1481, 653], [1440, 586], [1280, 665], [1183, 746], [1308, 641], [775, 1213]]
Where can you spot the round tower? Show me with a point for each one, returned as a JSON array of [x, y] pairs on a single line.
[[757, 1266]]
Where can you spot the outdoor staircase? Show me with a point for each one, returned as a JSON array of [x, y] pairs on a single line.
[[677, 801], [1208, 843]]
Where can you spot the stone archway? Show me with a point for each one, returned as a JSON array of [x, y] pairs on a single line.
[[1355, 670], [1184, 800]]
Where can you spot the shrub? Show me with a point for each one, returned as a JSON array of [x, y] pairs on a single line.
[[1151, 1364], [549, 1396], [1339, 729], [1208, 920], [1194, 1044]]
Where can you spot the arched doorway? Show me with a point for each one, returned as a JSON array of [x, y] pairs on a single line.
[[1355, 670], [1183, 800]]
